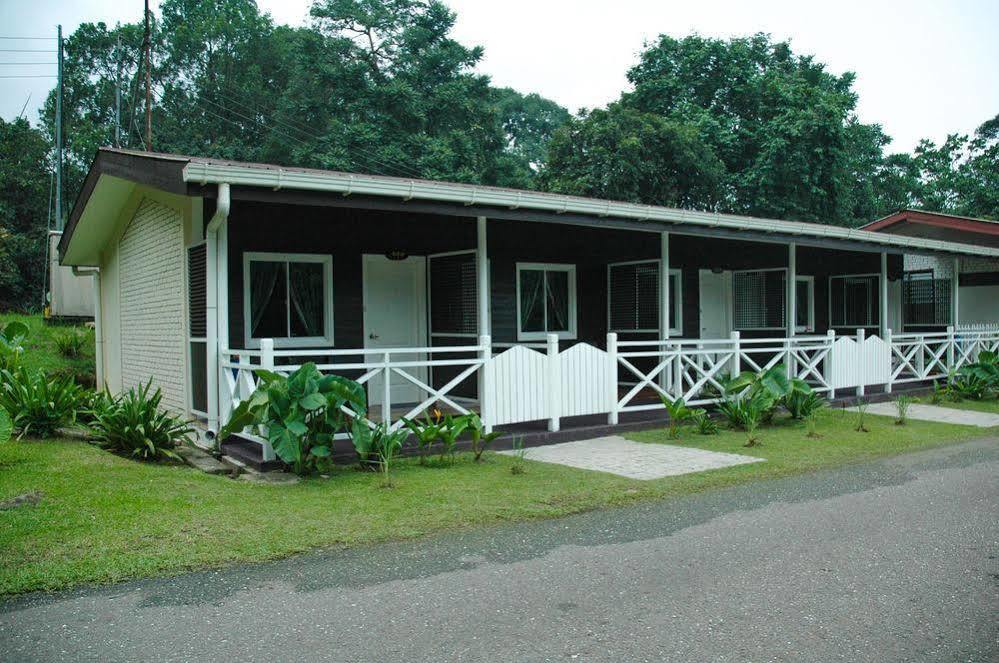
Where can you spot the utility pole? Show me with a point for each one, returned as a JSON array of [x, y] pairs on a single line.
[[58, 182], [149, 109], [117, 97]]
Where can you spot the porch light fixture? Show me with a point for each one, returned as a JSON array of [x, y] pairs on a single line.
[[396, 255], [717, 270]]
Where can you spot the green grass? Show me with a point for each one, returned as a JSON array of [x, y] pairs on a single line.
[[990, 405], [104, 518], [40, 352]]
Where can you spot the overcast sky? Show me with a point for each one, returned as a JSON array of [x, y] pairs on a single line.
[[924, 68]]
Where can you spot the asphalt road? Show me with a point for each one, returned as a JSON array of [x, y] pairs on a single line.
[[888, 561]]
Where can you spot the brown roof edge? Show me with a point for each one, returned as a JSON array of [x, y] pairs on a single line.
[[963, 223], [165, 174]]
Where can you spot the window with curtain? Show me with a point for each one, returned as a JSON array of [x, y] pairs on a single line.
[[853, 300], [546, 301], [633, 290], [289, 298], [758, 299]]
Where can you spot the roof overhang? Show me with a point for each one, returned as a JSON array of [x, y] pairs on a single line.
[[918, 217], [113, 171]]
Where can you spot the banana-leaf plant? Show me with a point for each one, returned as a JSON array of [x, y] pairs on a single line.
[[679, 414], [448, 433], [480, 438], [386, 445], [427, 432], [768, 388], [300, 414]]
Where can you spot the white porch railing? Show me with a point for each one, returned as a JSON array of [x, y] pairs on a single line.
[[540, 381]]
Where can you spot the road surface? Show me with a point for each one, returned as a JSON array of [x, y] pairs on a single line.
[[894, 560]]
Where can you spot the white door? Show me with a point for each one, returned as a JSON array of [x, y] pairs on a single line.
[[395, 316], [715, 292]]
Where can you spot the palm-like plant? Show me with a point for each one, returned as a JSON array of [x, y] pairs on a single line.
[[134, 424], [679, 414], [37, 405], [480, 438]]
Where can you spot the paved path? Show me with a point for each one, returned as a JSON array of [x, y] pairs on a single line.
[[888, 561], [947, 415], [635, 460]]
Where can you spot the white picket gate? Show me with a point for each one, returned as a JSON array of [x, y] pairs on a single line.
[[859, 361]]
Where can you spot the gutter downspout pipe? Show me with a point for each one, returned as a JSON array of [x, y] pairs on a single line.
[[215, 335], [98, 327]]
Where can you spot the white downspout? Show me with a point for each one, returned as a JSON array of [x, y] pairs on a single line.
[[212, 295], [98, 327]]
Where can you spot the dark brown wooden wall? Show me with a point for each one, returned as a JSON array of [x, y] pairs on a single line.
[[347, 234]]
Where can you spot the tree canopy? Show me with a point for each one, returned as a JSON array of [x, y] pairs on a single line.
[[741, 125]]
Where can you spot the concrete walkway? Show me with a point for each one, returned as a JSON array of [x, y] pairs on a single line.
[[634, 460], [946, 415]]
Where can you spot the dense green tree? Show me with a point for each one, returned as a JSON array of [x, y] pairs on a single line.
[[529, 121], [624, 154], [24, 183]]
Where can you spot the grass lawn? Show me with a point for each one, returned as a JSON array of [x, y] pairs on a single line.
[[103, 518], [41, 353], [991, 405]]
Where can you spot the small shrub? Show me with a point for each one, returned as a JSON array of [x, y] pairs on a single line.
[[92, 404], [862, 406], [37, 405], [939, 393], [519, 466], [386, 445], [704, 424], [480, 438], [902, 404], [801, 404], [752, 422], [448, 432], [741, 411], [12, 344], [679, 414], [426, 433], [971, 386], [133, 424], [70, 344]]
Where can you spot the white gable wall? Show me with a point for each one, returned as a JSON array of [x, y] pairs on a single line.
[[143, 298], [976, 304]]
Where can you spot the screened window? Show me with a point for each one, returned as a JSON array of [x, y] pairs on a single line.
[[633, 289], [853, 300], [804, 303], [546, 300], [289, 298], [925, 300], [758, 299], [453, 302]]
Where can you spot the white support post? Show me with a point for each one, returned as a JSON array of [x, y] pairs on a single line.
[[221, 303], [485, 383], [891, 356], [664, 300], [482, 275], [736, 367], [921, 355], [267, 364], [98, 334], [861, 367], [386, 389], [955, 289], [951, 355], [828, 366], [213, 368], [612, 385], [883, 329], [554, 384], [792, 281]]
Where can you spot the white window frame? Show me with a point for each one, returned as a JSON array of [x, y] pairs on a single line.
[[326, 261], [871, 323], [675, 302], [810, 280], [548, 267], [732, 297]]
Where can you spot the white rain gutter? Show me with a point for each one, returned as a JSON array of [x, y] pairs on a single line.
[[98, 327], [214, 292], [469, 195]]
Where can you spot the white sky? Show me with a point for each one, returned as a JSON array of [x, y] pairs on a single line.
[[924, 68]]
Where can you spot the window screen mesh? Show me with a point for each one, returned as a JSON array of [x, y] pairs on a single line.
[[758, 299], [452, 296], [853, 301], [634, 296], [925, 300], [197, 301]]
